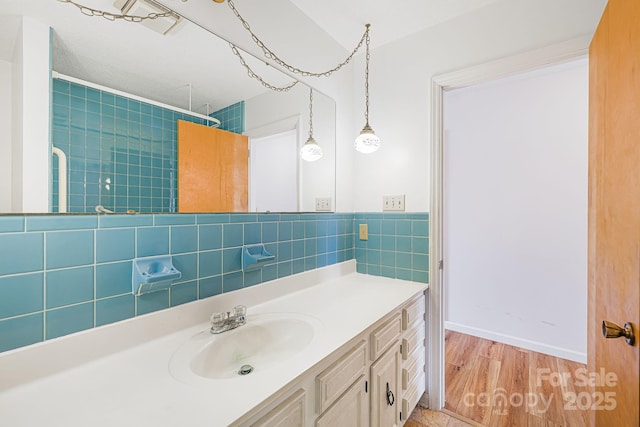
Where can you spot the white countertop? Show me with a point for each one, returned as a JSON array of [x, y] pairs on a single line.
[[118, 375]]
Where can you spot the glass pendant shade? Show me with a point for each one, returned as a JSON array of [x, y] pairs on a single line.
[[367, 142], [310, 151]]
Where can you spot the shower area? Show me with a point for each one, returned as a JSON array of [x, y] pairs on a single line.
[[121, 152]]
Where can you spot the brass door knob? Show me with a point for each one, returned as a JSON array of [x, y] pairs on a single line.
[[611, 330]]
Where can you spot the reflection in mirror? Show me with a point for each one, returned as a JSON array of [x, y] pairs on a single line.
[[118, 90]]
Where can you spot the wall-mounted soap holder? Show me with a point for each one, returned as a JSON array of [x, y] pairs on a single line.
[[153, 274], [254, 257]]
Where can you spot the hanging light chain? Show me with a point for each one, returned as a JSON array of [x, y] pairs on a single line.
[[253, 75], [271, 55], [112, 16], [310, 113], [366, 78]]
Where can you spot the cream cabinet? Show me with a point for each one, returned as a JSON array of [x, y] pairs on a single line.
[[376, 379]]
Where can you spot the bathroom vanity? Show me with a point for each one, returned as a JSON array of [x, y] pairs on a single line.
[[327, 347]]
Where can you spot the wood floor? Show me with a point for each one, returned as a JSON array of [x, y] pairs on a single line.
[[494, 384]]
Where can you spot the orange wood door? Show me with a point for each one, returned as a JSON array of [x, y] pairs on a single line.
[[614, 213], [212, 169]]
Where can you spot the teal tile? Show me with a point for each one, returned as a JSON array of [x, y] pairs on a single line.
[[420, 228], [361, 268], [232, 281], [153, 301], [268, 217], [209, 237], [115, 309], [285, 268], [388, 243], [298, 230], [403, 243], [11, 224], [210, 286], [253, 277], [404, 274], [284, 251], [184, 239], [389, 272], [375, 242], [310, 263], [285, 230], [61, 222], [231, 260], [310, 229], [310, 247], [374, 270], [298, 265], [21, 294], [20, 331], [388, 227], [420, 245], [212, 218], [69, 248], [269, 232], [115, 244], [174, 219], [269, 272], [297, 249], [403, 228], [232, 235], [332, 258], [187, 264], [113, 279], [115, 221], [184, 293], [243, 218], [21, 253], [403, 260], [420, 276], [69, 286], [252, 233], [321, 245], [321, 260], [420, 262], [210, 263], [152, 241], [67, 320], [388, 259]]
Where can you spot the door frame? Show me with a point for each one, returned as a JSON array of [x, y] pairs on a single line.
[[520, 63]]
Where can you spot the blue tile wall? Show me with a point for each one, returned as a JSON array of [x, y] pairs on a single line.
[[398, 245], [231, 117], [63, 274], [121, 152]]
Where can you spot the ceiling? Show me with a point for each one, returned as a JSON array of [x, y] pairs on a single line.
[[390, 20]]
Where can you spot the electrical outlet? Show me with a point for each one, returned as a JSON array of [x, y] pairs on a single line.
[[393, 203], [323, 204]]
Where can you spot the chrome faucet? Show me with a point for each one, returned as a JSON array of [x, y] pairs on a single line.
[[225, 321]]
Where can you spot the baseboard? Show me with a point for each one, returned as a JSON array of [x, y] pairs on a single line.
[[562, 353]]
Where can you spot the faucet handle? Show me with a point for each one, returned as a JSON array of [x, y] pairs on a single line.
[[218, 319], [240, 310]]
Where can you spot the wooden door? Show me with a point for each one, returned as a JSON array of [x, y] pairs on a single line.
[[614, 212], [213, 169], [385, 373]]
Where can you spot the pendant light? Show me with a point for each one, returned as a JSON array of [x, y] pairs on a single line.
[[367, 141], [310, 151]]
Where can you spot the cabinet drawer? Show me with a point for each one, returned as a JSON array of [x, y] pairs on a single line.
[[413, 367], [411, 397], [413, 340], [289, 413], [338, 377], [413, 312], [384, 336]]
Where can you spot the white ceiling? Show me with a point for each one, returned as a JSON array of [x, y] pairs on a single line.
[[390, 20]]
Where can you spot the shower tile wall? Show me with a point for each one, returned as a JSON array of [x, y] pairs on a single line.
[[121, 152], [231, 117]]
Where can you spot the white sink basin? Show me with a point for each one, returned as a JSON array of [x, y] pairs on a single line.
[[266, 340]]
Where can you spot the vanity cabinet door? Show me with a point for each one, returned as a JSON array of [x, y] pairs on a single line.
[[385, 373], [350, 410], [289, 413]]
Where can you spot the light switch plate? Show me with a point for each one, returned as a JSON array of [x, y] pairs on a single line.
[[364, 231], [323, 204], [393, 203]]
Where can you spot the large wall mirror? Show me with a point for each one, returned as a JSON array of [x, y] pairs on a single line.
[[119, 89]]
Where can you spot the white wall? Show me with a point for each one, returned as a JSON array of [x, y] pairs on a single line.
[[266, 113], [30, 119], [5, 135], [400, 80], [515, 209]]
